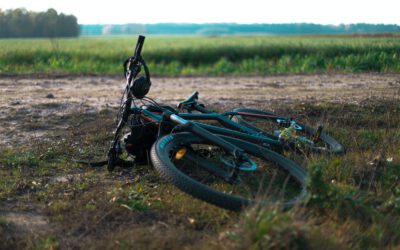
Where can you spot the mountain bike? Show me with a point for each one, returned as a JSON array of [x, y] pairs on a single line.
[[264, 127], [231, 165]]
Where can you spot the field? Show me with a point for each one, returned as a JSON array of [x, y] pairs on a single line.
[[58, 102], [212, 56], [50, 202]]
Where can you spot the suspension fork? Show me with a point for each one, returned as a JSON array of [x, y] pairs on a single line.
[[114, 151], [238, 153]]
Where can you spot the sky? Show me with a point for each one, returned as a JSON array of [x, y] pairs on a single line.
[[219, 11]]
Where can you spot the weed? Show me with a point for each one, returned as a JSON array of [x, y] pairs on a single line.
[[48, 243], [58, 207], [3, 221], [137, 198], [19, 159], [269, 228]]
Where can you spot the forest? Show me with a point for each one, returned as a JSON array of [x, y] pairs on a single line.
[[20, 23]]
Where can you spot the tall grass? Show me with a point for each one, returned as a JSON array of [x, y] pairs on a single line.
[[203, 55]]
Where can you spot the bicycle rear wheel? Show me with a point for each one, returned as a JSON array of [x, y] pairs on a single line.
[[203, 170], [270, 124]]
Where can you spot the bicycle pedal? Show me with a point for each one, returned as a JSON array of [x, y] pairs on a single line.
[[317, 134]]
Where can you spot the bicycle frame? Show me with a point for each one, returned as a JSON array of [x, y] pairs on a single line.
[[191, 104], [230, 127]]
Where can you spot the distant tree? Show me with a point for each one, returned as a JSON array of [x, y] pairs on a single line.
[[67, 26], [51, 23]]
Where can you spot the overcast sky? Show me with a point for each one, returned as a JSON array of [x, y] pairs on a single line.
[[212, 11]]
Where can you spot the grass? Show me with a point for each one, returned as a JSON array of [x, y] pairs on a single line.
[[172, 56], [261, 228], [354, 201]]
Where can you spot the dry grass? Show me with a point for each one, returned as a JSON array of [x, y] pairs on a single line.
[[354, 202]]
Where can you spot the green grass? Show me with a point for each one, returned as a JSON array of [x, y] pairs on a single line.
[[191, 55]]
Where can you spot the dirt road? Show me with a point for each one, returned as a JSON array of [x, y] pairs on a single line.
[[27, 105]]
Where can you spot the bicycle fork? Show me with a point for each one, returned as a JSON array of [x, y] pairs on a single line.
[[241, 159]]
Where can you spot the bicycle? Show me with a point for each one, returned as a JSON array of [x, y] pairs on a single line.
[[232, 165], [286, 133]]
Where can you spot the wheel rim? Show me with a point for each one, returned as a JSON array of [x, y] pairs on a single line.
[[267, 183]]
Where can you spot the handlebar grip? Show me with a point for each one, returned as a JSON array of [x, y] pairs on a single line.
[[139, 46]]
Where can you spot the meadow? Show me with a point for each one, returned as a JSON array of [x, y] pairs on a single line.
[[193, 55]]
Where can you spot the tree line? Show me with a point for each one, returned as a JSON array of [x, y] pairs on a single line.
[[20, 23], [237, 29]]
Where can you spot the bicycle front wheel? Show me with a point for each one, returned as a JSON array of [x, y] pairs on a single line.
[[270, 124], [206, 172]]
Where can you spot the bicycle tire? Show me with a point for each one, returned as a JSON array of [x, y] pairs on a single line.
[[330, 145], [190, 179]]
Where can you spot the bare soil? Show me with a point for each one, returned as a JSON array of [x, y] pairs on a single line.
[[31, 107]]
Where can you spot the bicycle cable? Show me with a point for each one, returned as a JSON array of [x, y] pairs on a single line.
[[152, 101]]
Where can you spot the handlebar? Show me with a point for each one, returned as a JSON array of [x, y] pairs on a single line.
[[139, 46], [132, 64]]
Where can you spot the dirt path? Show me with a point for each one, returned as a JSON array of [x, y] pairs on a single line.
[[30, 107]]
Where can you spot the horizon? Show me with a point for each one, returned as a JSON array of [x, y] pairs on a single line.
[[236, 23], [223, 11]]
